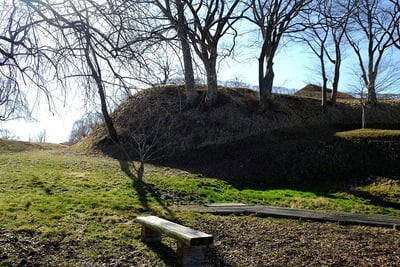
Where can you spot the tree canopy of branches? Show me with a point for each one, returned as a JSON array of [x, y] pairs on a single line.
[[396, 36], [84, 127], [20, 59], [207, 22], [174, 12], [274, 19], [324, 34], [107, 47], [93, 41], [375, 27]]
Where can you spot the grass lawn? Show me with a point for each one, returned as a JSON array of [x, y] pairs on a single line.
[[61, 208]]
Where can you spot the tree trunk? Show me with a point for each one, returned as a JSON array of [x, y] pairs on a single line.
[[265, 82], [324, 101], [191, 95], [372, 98], [335, 83], [112, 133], [336, 74], [363, 116], [96, 74], [212, 82], [140, 171]]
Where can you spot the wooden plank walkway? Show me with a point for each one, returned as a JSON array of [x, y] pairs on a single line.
[[303, 214]]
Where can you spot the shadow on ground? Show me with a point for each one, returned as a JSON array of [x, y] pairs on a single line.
[[313, 161], [307, 160], [376, 200], [145, 191]]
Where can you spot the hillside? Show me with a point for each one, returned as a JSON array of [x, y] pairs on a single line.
[[314, 91], [7, 146], [294, 144]]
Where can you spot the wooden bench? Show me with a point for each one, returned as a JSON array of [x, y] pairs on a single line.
[[190, 242]]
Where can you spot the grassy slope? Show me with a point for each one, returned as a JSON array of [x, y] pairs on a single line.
[[293, 145], [61, 208]]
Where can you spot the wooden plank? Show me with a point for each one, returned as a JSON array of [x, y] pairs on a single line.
[[219, 205], [303, 214], [186, 235]]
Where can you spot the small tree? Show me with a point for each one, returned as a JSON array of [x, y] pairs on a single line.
[[147, 133], [84, 127], [8, 134], [362, 94], [41, 137]]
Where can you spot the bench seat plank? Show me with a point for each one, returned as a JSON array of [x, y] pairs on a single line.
[[186, 235]]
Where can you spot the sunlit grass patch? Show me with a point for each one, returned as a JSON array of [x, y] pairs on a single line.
[[41, 188], [9, 146], [369, 133], [193, 189]]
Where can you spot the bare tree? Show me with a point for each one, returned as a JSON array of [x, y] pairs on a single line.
[[396, 36], [84, 127], [275, 19], [161, 64], [361, 93], [375, 23], [148, 132], [13, 104], [207, 22], [174, 11], [21, 60], [325, 28], [8, 134], [41, 137], [93, 43]]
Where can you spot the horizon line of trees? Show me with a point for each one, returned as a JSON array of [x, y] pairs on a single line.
[[109, 47]]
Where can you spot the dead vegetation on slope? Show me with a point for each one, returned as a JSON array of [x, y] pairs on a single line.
[[160, 113]]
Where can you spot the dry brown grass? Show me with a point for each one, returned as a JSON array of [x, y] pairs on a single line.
[[314, 91], [235, 116]]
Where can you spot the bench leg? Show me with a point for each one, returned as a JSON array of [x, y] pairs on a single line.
[[188, 256], [150, 236]]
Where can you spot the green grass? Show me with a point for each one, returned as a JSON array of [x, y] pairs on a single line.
[[187, 189], [368, 133], [57, 195], [40, 188]]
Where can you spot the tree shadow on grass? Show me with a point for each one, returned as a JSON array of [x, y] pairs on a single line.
[[145, 191], [376, 200]]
